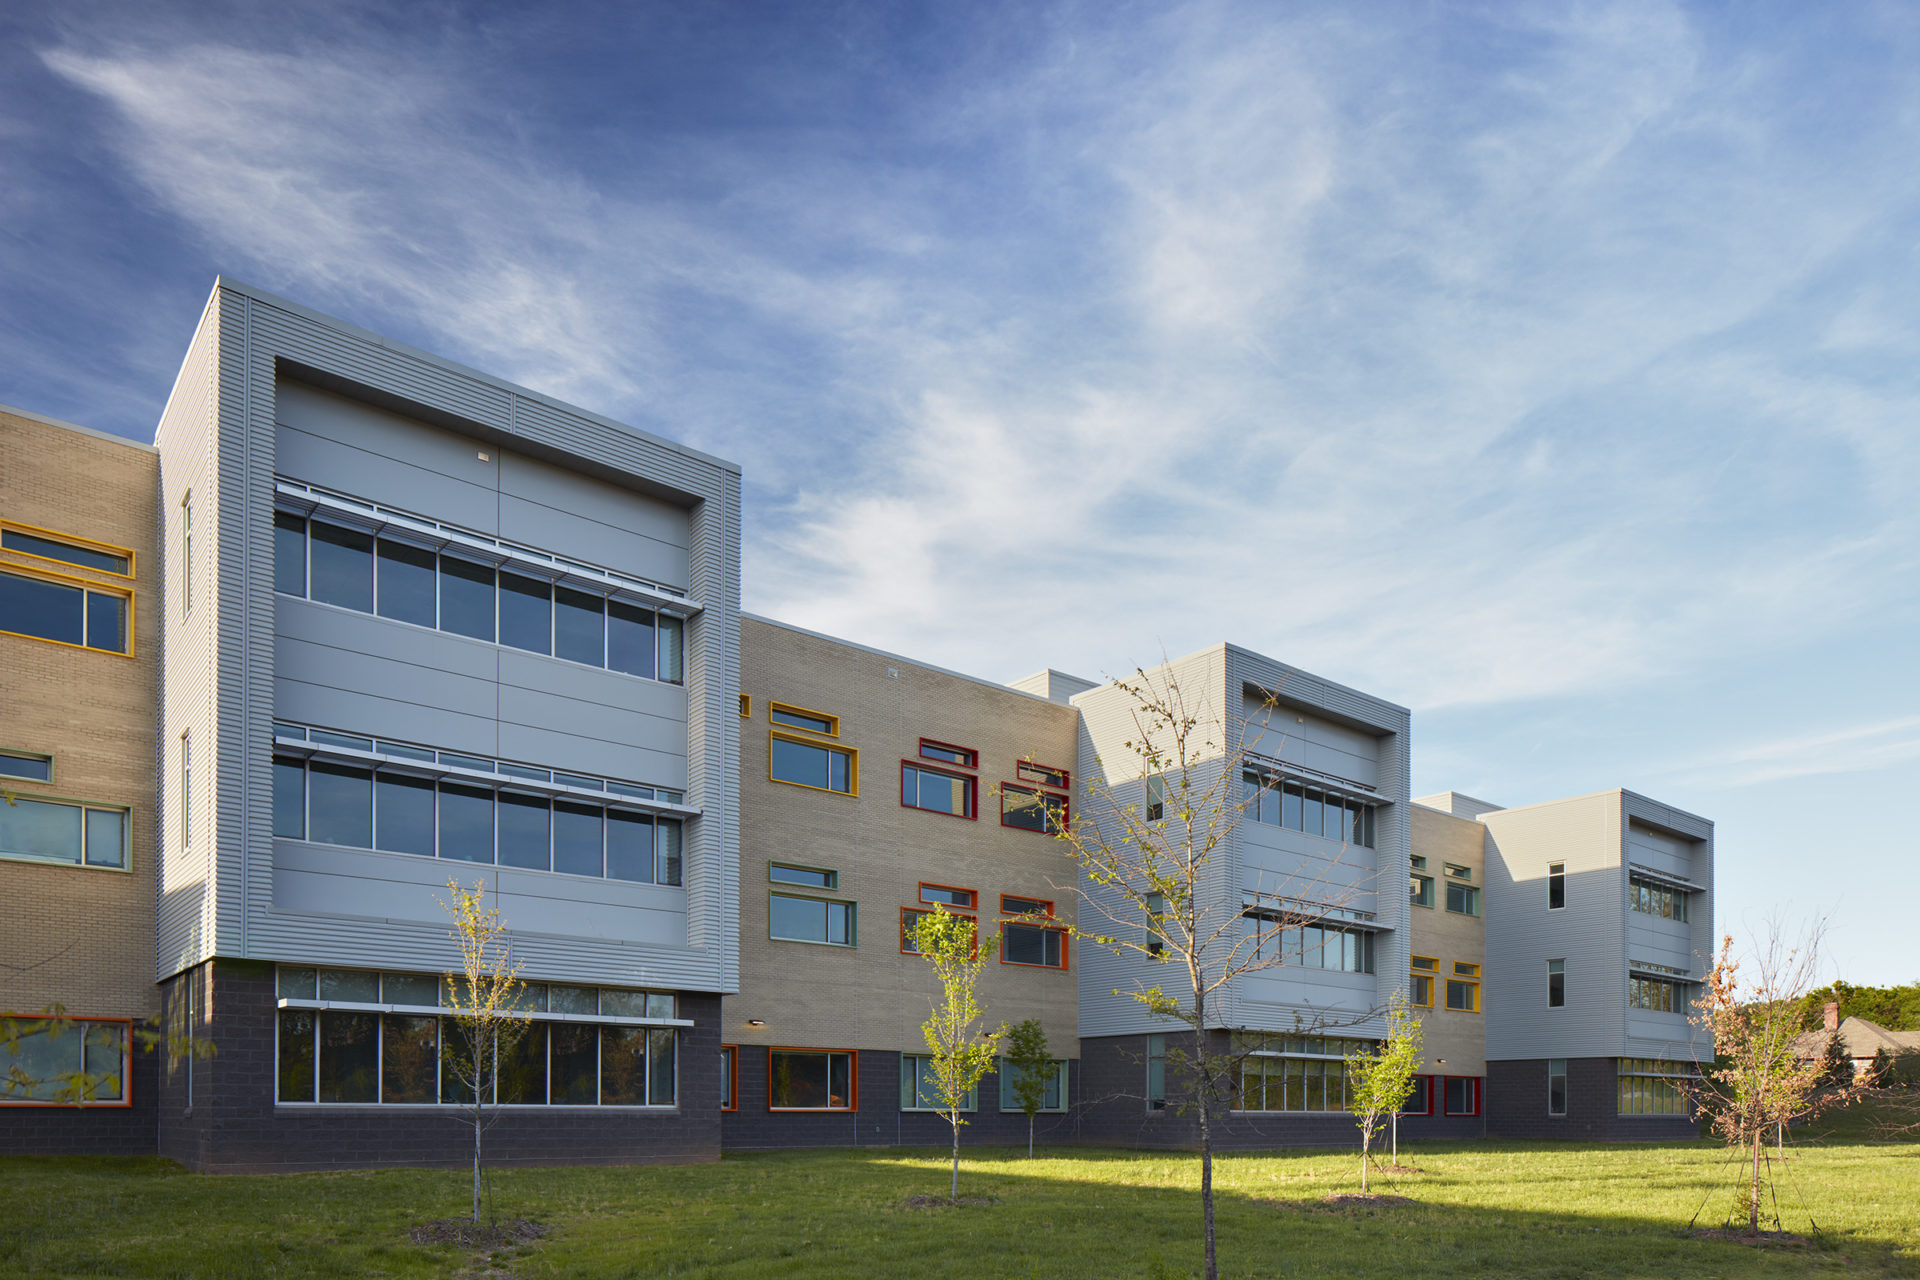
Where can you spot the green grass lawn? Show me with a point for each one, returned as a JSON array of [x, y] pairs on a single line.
[[1482, 1209]]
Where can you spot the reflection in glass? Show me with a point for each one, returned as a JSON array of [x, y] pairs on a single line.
[[466, 823], [523, 831], [340, 807], [629, 846], [406, 583], [106, 622], [630, 642], [296, 1055], [44, 609], [289, 553], [466, 598], [526, 613], [289, 798], [579, 627], [106, 838], [574, 1071], [576, 838], [349, 1057], [342, 566], [410, 1058], [404, 809]]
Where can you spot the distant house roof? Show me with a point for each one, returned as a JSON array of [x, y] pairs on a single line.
[[1862, 1039]]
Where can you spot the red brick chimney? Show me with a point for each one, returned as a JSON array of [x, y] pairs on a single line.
[[1833, 1015]]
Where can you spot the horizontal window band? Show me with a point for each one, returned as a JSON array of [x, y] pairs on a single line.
[[447, 1011], [658, 1108], [1662, 878], [382, 521], [1277, 770]]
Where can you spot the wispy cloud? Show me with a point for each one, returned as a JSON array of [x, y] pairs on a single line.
[[1858, 749]]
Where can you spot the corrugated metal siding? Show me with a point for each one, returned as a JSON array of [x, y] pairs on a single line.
[[1662, 1036]]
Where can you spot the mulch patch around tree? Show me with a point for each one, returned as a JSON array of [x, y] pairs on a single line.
[[947, 1202], [477, 1235], [1763, 1240], [1357, 1200], [1398, 1168]]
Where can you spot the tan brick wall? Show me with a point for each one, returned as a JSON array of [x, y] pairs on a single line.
[[1458, 1038], [78, 936], [872, 996]]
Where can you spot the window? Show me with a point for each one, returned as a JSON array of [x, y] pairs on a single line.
[[1043, 775], [920, 1089], [1655, 995], [99, 555], [1297, 1073], [1462, 1095], [808, 877], [812, 1080], [395, 811], [86, 1060], [1655, 899], [801, 718], [945, 895], [1419, 883], [1156, 1072], [57, 832], [1556, 983], [1055, 1098], [1556, 1086], [42, 609], [1156, 912], [1463, 988], [729, 1077], [1463, 899], [1423, 969], [1420, 1101], [1023, 942], [1556, 893], [746, 706], [393, 578], [186, 552], [1156, 796], [937, 791], [812, 764], [30, 766], [186, 789], [947, 753], [1309, 810], [792, 919], [1655, 1087], [398, 1050], [1327, 946], [1032, 810], [910, 917]]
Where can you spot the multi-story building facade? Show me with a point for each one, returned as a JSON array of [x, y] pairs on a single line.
[[417, 625], [873, 788], [80, 580], [425, 626]]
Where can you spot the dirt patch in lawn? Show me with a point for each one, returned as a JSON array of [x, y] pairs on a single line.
[[1763, 1240], [1398, 1168], [948, 1202], [1357, 1200], [477, 1235]]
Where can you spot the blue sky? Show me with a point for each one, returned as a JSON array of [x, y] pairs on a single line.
[[1548, 369]]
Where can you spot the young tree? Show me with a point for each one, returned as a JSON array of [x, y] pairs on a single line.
[[1380, 1081], [1030, 1061], [481, 1000], [1761, 1080], [1147, 889], [955, 1032]]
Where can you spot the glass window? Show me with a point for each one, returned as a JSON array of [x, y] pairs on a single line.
[[521, 1076], [466, 598], [811, 877], [403, 808], [1055, 1077], [1463, 1096], [296, 1054], [672, 648], [577, 838], [295, 982], [526, 613], [410, 988], [920, 1087], [630, 641], [660, 1066], [1033, 944], [573, 1071], [37, 829], [289, 798], [1032, 810], [1156, 1072], [729, 1077], [666, 835], [794, 919], [623, 1066], [349, 1057], [1045, 775], [32, 768], [1463, 997], [961, 898], [1293, 799], [1462, 899], [1311, 813], [340, 805], [47, 610], [629, 846], [1420, 890], [579, 627], [525, 835], [936, 792], [796, 718], [289, 553], [1556, 885], [106, 838], [807, 764], [1556, 1086], [409, 1058], [34, 545], [342, 566], [807, 1080], [1556, 983], [406, 583], [466, 823], [962, 756], [358, 985], [106, 622]]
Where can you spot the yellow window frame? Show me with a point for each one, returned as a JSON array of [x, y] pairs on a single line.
[[86, 544], [833, 722], [67, 579], [852, 754]]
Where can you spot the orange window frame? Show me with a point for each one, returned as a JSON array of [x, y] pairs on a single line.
[[1047, 774], [125, 1099], [920, 896], [906, 912], [1029, 919], [853, 1079]]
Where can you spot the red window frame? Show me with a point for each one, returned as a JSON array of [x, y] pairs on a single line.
[[853, 1079], [733, 1076], [1475, 1082], [920, 895], [1066, 803], [973, 790], [1049, 772], [1028, 919], [125, 1099], [905, 912], [972, 761], [1422, 1094]]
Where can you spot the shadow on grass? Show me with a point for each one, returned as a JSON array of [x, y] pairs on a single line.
[[1483, 1210]]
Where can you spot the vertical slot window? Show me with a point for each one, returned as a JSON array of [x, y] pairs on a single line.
[[1556, 885], [289, 798], [672, 649], [1556, 1086], [1556, 983], [289, 553]]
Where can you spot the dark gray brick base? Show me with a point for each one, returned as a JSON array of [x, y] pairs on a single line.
[[1516, 1105]]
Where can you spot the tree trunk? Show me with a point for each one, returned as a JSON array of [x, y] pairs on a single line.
[[1029, 1135], [1366, 1141], [1206, 1188], [476, 1162], [1396, 1137], [955, 1118], [1753, 1187]]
